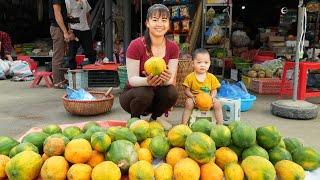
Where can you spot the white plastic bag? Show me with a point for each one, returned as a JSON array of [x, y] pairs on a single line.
[[5, 66], [20, 68]]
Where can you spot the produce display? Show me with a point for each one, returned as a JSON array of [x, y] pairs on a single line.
[[269, 69], [144, 150]]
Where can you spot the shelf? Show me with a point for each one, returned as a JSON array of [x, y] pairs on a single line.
[[224, 27], [211, 46], [217, 4]]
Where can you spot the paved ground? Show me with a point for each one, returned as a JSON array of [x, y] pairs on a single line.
[[22, 108]]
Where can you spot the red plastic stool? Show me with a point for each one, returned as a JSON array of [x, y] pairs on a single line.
[[303, 77], [39, 75]]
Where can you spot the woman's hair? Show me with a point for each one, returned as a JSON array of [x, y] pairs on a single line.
[[199, 51], [161, 11]]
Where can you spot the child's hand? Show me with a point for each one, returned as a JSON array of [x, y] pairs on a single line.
[[153, 80], [166, 75], [194, 100]]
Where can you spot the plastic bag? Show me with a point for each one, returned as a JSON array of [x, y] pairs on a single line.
[[240, 39], [185, 26], [79, 94], [5, 66], [214, 33], [20, 68], [184, 12], [176, 27], [175, 12], [210, 15], [233, 91]]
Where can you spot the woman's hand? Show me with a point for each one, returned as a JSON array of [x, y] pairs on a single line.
[[153, 80], [165, 75]]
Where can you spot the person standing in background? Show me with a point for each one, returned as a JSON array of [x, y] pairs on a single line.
[[5, 46], [59, 34], [79, 11]]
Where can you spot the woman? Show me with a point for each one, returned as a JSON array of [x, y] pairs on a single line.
[[146, 93]]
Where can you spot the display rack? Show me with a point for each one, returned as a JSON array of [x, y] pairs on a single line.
[[181, 36], [220, 8]]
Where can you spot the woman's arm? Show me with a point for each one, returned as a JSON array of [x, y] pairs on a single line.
[[133, 68], [172, 68]]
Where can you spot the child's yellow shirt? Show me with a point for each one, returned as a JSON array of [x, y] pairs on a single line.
[[209, 84]]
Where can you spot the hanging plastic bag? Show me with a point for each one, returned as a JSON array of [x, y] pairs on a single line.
[[215, 32]]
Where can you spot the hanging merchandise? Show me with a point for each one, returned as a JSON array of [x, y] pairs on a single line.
[[185, 26], [175, 12], [176, 27], [215, 32], [176, 38], [184, 12], [210, 15], [240, 39]]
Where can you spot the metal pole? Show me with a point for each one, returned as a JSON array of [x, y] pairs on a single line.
[[141, 27], [108, 33], [300, 23], [127, 23]]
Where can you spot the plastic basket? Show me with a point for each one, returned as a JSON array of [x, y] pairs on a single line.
[[123, 76], [247, 81], [246, 104], [242, 65], [268, 85]]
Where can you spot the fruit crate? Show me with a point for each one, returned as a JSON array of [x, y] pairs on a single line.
[[268, 85]]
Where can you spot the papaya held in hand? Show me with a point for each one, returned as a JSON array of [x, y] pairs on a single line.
[[203, 101], [155, 66]]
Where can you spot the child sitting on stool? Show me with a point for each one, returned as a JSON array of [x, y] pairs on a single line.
[[201, 81]]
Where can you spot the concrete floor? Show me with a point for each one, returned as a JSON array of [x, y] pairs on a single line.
[[22, 108]]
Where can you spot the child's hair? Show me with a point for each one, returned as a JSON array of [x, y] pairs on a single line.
[[199, 51], [162, 11]]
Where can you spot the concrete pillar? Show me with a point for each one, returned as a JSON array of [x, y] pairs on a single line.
[[108, 30]]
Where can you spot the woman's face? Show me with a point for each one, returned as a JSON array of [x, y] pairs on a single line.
[[158, 25]]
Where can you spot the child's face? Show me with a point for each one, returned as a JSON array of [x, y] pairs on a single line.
[[201, 63]]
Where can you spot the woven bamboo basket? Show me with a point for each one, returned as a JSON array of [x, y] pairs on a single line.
[[184, 68], [102, 104]]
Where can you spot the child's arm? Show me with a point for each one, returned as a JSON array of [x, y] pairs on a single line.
[[213, 93], [189, 94]]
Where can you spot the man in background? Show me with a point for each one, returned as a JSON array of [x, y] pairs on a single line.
[[59, 34]]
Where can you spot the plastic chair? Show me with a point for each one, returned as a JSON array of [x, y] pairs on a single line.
[[303, 93], [38, 75], [303, 78]]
